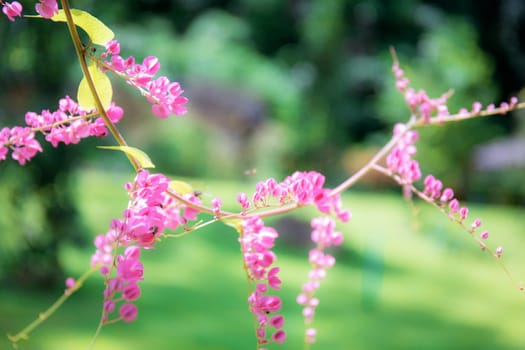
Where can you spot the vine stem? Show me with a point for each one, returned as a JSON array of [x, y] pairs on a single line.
[[430, 201], [293, 206], [465, 116], [24, 333], [79, 49], [379, 155]]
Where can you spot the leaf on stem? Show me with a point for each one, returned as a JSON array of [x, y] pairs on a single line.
[[140, 156], [180, 187], [96, 30], [235, 223], [102, 85]]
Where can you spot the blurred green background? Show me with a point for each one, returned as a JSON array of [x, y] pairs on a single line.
[[278, 86]]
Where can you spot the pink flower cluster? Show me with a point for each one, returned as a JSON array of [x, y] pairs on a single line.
[[21, 141], [425, 107], [150, 211], [400, 158], [165, 96], [433, 190], [324, 235], [45, 8], [257, 241], [123, 288], [69, 124], [419, 102], [302, 188], [477, 107]]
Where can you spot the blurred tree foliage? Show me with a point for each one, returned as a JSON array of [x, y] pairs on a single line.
[[313, 75], [323, 68], [38, 211]]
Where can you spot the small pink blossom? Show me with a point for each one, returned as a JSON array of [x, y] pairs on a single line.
[[131, 292], [128, 312], [463, 212], [216, 204], [453, 205], [277, 321], [476, 223], [447, 195], [114, 112], [310, 334], [242, 198], [109, 306], [279, 337], [476, 107], [12, 9], [47, 8], [70, 284], [273, 280], [113, 47]]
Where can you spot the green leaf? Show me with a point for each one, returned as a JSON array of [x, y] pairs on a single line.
[[140, 156], [180, 187], [235, 223], [95, 29], [102, 84]]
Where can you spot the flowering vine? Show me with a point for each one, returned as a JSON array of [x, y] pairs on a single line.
[[156, 203], [257, 241]]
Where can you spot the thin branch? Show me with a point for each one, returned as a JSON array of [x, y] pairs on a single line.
[[83, 65], [24, 333]]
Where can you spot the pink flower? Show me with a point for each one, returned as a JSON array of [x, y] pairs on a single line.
[[324, 236], [165, 96], [47, 8], [463, 212], [24, 144], [70, 284], [447, 195], [453, 206], [273, 280], [12, 9], [109, 306], [242, 198], [114, 112], [279, 337], [310, 334], [277, 321], [128, 312], [131, 292], [216, 204], [113, 47]]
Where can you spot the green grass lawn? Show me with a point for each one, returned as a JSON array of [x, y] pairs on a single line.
[[403, 280]]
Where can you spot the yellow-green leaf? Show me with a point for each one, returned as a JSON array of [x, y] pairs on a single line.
[[95, 29], [140, 156], [235, 223], [102, 85], [180, 187]]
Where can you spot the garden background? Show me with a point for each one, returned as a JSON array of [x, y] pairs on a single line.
[[276, 86]]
